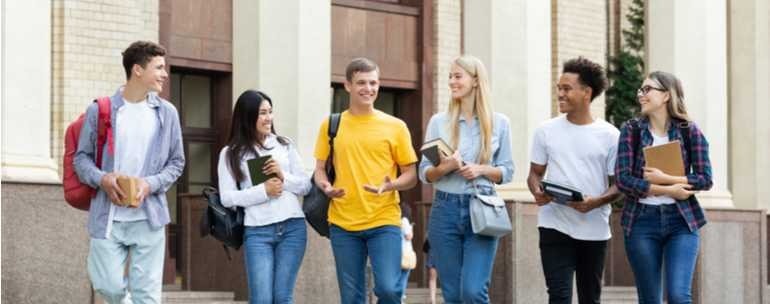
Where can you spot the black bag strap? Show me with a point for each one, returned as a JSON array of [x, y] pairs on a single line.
[[684, 130], [334, 125]]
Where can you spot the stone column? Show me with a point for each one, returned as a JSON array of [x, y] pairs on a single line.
[[26, 93], [748, 79], [513, 40], [284, 49], [694, 49]]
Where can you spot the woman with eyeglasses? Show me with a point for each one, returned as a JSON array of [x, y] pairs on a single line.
[[661, 215]]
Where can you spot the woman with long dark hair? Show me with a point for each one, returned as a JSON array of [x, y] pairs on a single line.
[[661, 216], [275, 235]]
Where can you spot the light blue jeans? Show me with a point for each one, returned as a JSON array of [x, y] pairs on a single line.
[[273, 255], [107, 263], [383, 247], [660, 237], [463, 259]]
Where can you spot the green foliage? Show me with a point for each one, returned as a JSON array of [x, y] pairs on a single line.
[[626, 70]]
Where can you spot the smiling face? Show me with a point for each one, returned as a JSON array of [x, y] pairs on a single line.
[[363, 88], [152, 75], [652, 97], [264, 119], [573, 96], [461, 83]]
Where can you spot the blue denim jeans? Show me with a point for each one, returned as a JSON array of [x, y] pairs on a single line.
[[107, 263], [383, 247], [463, 259], [661, 237], [273, 255]]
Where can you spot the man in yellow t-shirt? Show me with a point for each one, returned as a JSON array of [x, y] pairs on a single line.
[[365, 218]]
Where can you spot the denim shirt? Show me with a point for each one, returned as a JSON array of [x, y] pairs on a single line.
[[469, 145], [161, 169]]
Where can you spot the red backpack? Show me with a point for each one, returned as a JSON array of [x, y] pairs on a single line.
[[78, 194]]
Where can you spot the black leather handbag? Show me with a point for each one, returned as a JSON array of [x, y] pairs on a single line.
[[315, 204], [224, 224]]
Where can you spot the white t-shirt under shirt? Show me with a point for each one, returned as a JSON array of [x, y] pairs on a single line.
[[661, 199], [581, 156], [136, 125]]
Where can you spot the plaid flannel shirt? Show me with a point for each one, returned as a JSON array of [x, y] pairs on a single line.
[[630, 163]]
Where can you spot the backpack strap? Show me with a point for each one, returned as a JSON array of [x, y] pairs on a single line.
[[104, 129], [684, 130], [334, 125]]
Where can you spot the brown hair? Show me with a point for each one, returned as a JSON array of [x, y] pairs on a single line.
[[673, 86], [140, 52], [360, 64]]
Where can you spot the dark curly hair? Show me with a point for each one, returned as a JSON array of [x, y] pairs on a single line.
[[589, 73], [140, 52]]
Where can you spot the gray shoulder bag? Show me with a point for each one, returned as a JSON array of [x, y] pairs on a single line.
[[488, 215]]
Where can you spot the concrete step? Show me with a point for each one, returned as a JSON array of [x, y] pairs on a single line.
[[421, 296], [198, 297], [619, 295]]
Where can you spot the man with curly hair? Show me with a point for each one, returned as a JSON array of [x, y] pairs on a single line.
[[578, 150]]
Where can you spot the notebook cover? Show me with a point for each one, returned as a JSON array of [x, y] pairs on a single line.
[[666, 157], [255, 169]]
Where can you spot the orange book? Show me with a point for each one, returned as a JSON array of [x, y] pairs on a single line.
[[666, 157]]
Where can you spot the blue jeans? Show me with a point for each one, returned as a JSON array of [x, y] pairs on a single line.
[[383, 247], [463, 259], [107, 262], [660, 237], [273, 255]]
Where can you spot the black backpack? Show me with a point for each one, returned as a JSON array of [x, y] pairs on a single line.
[[224, 224], [315, 204]]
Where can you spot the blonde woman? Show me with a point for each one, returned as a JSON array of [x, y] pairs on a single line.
[[661, 216], [482, 144]]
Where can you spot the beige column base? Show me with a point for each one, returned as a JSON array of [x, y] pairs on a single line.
[[517, 191], [27, 169], [716, 199]]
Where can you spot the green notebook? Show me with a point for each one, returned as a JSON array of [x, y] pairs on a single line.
[[255, 169]]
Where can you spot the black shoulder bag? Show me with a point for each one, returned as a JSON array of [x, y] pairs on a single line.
[[224, 224], [315, 204]]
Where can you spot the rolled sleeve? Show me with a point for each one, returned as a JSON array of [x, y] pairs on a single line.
[[503, 157]]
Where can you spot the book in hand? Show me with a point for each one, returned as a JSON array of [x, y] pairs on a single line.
[[255, 170], [666, 157], [435, 149], [561, 193], [130, 188]]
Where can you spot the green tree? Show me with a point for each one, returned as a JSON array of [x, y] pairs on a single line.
[[627, 69]]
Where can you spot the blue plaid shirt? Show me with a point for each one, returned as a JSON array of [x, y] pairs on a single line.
[[630, 163]]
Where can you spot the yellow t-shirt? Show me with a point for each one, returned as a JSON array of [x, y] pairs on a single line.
[[367, 148]]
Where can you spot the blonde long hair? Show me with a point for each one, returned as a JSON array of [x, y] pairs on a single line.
[[474, 67], [673, 86]]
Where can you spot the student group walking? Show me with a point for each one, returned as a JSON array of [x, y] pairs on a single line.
[[374, 159]]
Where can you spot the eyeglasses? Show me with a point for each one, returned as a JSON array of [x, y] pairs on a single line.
[[646, 89]]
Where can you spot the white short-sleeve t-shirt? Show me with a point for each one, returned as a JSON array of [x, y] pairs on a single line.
[[581, 156]]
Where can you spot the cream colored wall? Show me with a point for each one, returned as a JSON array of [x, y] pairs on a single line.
[[581, 30], [749, 79], [512, 39], [284, 49], [447, 41], [26, 91], [88, 39], [695, 50]]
